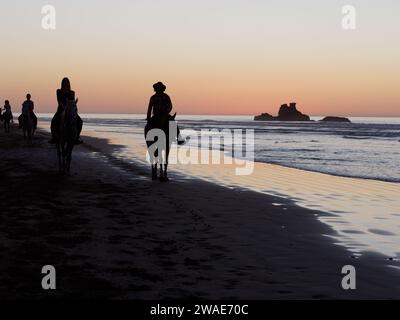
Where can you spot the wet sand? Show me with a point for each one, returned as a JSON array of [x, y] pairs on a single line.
[[364, 213], [112, 233]]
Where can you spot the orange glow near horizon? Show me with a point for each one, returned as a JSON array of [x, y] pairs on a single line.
[[210, 65]]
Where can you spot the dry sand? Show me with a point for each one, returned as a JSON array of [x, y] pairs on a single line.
[[112, 233]]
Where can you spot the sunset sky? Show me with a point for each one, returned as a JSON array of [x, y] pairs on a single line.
[[216, 57]]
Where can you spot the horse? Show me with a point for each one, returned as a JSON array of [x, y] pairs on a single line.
[[67, 136], [160, 155], [27, 125]]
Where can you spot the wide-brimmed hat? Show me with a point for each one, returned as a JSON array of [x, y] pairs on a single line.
[[159, 86]]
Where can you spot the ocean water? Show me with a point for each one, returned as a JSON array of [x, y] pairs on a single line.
[[351, 171], [368, 148]]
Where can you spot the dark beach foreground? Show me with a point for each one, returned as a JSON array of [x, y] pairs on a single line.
[[111, 233]]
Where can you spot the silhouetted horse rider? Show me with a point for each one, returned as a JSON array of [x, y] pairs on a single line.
[[28, 106], [158, 117], [64, 94], [7, 116], [27, 119]]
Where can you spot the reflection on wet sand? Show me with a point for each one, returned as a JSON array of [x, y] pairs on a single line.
[[364, 213]]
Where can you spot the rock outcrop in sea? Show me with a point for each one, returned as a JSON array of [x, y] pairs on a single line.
[[336, 119], [264, 117], [290, 113], [286, 113]]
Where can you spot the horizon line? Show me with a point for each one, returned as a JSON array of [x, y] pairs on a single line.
[[225, 114]]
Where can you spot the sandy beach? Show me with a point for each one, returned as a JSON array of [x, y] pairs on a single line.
[[112, 233]]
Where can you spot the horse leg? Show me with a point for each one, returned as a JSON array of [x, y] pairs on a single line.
[[166, 168], [161, 172], [29, 136], [154, 171], [164, 176], [166, 161], [160, 161], [63, 157], [69, 157], [59, 158]]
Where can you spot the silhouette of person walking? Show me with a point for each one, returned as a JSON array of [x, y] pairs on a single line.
[[64, 94]]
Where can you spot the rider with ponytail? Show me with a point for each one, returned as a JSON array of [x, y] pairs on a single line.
[[64, 94]]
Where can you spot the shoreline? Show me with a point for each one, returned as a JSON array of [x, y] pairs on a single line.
[[112, 233], [330, 165], [395, 182]]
